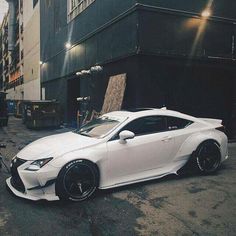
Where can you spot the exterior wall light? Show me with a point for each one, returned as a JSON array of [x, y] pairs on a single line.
[[86, 72], [206, 13], [78, 73], [40, 63], [96, 69], [68, 45]]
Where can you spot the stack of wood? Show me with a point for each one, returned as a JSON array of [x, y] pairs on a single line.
[[113, 99]]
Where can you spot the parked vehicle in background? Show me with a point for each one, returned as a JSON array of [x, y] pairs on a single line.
[[117, 149], [3, 110], [41, 114]]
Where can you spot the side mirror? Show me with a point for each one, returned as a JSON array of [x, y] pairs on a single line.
[[124, 135]]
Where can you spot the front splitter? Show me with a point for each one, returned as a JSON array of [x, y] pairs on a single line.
[[30, 197]]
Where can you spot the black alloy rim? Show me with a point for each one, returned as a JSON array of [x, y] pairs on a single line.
[[209, 158], [79, 181]]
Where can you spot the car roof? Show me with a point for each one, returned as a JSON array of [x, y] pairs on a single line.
[[139, 112]]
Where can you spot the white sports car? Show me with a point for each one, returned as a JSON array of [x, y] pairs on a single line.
[[118, 148]]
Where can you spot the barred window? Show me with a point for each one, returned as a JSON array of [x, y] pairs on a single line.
[[34, 3], [75, 7]]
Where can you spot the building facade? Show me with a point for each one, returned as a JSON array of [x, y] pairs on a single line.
[[12, 57], [179, 54], [31, 34], [4, 64], [20, 48], [15, 85]]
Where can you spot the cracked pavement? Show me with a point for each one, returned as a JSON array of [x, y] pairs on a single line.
[[190, 205]]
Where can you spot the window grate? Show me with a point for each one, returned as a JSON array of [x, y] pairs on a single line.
[[75, 7]]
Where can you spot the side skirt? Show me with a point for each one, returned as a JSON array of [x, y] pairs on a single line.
[[137, 181]]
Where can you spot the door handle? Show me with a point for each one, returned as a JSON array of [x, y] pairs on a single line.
[[166, 139]]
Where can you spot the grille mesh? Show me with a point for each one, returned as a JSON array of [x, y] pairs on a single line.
[[16, 180]]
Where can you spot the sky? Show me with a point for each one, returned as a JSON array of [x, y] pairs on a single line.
[[3, 9]]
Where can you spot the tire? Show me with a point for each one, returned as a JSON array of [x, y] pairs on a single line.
[[208, 157], [77, 180]]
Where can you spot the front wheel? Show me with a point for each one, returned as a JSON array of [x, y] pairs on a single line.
[[77, 180], [208, 157]]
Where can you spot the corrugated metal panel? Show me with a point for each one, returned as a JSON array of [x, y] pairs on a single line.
[[220, 8], [171, 34]]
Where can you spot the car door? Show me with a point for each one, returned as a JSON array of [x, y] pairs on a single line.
[[150, 149]]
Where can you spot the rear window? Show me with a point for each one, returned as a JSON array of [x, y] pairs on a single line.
[[174, 123]]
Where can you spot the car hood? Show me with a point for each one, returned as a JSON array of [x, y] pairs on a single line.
[[56, 145]]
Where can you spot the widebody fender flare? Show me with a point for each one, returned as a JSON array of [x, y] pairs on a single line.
[[192, 143]]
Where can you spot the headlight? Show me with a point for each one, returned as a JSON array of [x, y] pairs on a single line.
[[12, 161], [36, 165]]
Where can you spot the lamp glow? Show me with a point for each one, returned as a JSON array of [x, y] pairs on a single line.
[[206, 13], [68, 45], [78, 73]]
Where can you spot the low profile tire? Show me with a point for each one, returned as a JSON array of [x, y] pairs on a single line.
[[77, 180], [208, 157]]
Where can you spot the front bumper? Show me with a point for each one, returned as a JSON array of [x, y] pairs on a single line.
[[33, 185], [37, 197]]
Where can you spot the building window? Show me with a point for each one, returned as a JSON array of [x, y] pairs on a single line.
[[34, 3], [75, 7]]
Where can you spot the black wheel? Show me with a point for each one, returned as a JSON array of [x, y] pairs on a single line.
[[208, 157], [77, 180]]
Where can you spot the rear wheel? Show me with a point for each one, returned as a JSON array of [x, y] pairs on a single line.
[[208, 157], [77, 180]]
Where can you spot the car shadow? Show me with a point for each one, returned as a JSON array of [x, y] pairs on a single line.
[[171, 177], [104, 193]]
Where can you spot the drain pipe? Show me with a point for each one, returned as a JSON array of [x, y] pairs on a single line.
[[12, 25]]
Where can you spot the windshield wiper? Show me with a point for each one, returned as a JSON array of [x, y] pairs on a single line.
[[84, 134]]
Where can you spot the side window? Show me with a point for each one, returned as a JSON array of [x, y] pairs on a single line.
[[174, 123], [147, 125]]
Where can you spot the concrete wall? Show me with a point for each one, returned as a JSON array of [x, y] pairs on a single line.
[[32, 90], [31, 51], [29, 11], [16, 93]]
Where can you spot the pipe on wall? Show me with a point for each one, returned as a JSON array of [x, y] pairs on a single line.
[[11, 25]]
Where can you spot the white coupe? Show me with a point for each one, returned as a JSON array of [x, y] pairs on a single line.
[[117, 149]]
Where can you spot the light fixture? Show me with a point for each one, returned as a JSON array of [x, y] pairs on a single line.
[[78, 73], [40, 63], [86, 72], [96, 69], [206, 13], [68, 45]]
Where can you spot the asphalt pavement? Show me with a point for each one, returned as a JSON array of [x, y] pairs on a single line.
[[190, 205]]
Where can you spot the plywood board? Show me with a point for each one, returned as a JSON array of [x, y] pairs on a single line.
[[114, 94]]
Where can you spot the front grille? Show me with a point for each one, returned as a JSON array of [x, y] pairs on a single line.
[[16, 180]]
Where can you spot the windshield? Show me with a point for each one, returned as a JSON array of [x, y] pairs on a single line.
[[100, 127]]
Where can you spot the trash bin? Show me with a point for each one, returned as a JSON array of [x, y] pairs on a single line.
[[41, 114], [3, 110], [11, 107], [18, 113]]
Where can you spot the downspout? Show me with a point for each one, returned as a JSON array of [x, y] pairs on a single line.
[[12, 25]]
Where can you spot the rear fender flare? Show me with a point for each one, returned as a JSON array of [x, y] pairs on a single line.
[[191, 144]]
